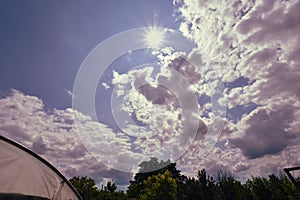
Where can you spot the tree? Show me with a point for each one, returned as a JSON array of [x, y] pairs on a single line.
[[160, 187], [110, 187], [201, 188], [147, 169], [232, 189], [273, 188], [86, 187], [166, 183], [206, 185]]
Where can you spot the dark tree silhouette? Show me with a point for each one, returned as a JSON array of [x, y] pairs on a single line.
[[110, 187], [86, 187]]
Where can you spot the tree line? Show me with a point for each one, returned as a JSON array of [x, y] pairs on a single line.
[[161, 180]]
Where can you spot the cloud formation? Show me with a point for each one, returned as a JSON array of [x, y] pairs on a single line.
[[257, 41], [53, 135], [252, 47]]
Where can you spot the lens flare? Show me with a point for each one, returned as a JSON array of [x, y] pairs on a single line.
[[154, 37]]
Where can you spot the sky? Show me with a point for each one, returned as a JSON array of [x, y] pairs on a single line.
[[91, 87]]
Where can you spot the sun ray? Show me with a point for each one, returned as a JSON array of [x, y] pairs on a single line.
[[154, 37]]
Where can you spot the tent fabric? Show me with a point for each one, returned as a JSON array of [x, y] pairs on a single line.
[[13, 196], [25, 175]]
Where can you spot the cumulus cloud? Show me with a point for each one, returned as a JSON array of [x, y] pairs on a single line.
[[53, 135], [252, 47], [266, 133], [257, 41], [77, 145], [166, 103]]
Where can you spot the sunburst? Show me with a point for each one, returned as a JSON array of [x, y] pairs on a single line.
[[154, 37]]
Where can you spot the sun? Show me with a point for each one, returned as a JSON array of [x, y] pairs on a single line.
[[154, 37]]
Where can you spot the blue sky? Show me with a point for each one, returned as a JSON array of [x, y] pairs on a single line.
[[230, 103], [44, 43]]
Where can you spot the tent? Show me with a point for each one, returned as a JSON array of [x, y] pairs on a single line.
[[292, 178], [25, 175]]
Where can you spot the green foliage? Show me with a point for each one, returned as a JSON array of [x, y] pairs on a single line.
[[160, 187], [105, 195], [231, 188], [202, 187], [86, 187], [167, 183], [148, 169], [110, 192], [274, 188], [110, 187], [206, 185]]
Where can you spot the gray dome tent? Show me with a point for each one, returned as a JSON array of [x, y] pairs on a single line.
[[25, 175]]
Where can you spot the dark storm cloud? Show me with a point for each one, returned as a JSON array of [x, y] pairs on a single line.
[[267, 133]]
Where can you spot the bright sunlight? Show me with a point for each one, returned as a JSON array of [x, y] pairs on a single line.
[[154, 37]]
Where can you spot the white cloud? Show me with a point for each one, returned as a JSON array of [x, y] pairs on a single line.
[[166, 104], [256, 40], [53, 135], [106, 86], [68, 92], [259, 41]]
